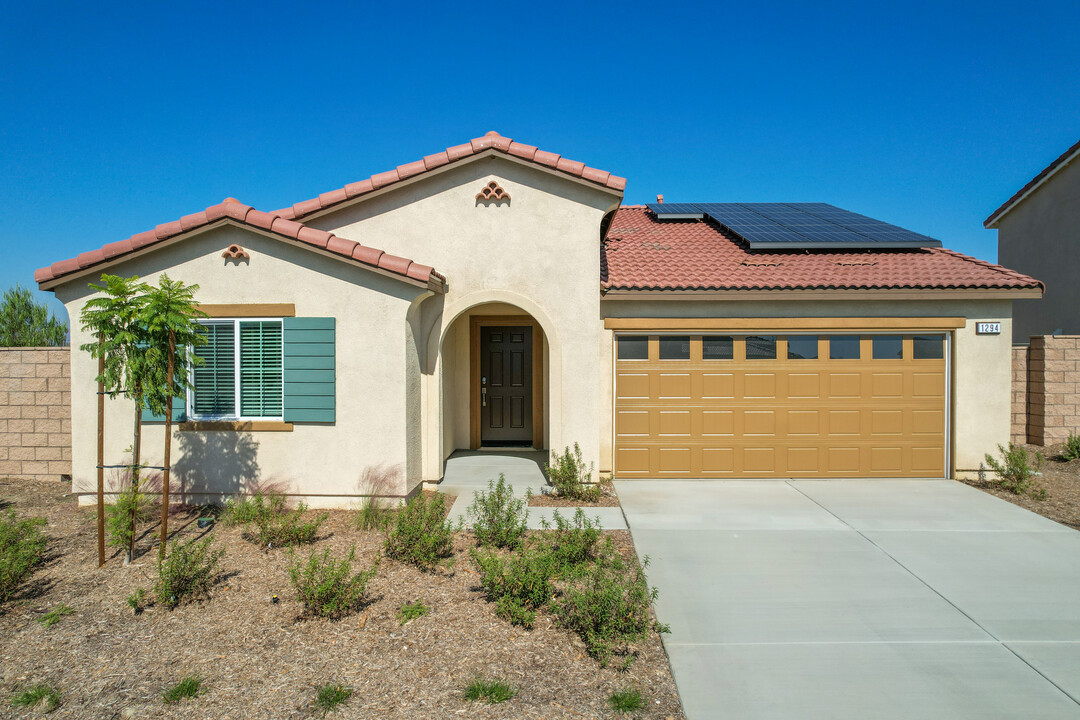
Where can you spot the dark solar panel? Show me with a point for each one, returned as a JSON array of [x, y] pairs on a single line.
[[797, 225]]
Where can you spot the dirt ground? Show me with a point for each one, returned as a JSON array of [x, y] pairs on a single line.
[[1060, 479], [608, 498], [262, 660]]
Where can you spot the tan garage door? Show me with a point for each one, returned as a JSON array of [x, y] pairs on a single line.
[[703, 406]]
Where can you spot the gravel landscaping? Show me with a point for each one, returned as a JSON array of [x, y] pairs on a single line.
[[259, 659], [1060, 479]]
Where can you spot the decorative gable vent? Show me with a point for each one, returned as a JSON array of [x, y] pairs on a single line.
[[492, 194], [235, 252]]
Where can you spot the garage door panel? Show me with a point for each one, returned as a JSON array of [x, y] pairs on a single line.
[[727, 416]]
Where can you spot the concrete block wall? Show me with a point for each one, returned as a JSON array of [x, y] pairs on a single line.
[[1053, 388], [1019, 394], [35, 412]]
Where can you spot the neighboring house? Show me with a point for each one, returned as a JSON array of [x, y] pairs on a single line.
[[669, 341], [1039, 233]]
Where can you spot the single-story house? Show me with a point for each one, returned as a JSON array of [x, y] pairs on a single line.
[[494, 295]]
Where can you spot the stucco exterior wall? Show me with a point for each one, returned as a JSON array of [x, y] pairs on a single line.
[[981, 365], [539, 254], [1041, 237], [374, 353]]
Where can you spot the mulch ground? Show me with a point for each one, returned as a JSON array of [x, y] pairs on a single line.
[[608, 498], [1060, 479], [263, 660]]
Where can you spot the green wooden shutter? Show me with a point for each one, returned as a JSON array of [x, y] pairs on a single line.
[[260, 368], [309, 369], [215, 379]]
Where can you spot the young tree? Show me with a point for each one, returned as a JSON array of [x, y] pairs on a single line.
[[117, 317], [25, 323], [171, 316]]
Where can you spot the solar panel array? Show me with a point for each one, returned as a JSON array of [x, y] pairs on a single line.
[[783, 226]]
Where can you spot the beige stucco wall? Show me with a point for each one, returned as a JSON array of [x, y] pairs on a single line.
[[374, 353], [1041, 237], [538, 255], [981, 364]]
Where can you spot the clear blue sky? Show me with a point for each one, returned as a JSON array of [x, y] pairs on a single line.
[[115, 117]]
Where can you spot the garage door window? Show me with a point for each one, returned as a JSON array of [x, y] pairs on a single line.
[[761, 347], [844, 347], [717, 347], [888, 347], [634, 347], [675, 347], [802, 347], [928, 347]]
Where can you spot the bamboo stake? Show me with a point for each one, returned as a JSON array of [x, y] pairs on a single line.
[[101, 454], [135, 467], [168, 448]]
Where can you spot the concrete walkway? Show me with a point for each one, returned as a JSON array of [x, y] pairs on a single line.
[[467, 472], [858, 599]]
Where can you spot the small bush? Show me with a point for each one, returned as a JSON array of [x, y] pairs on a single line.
[[568, 475], [22, 547], [1071, 451], [608, 605], [572, 541], [241, 511], [188, 571], [138, 601], [329, 696], [420, 534], [53, 616], [373, 514], [42, 694], [327, 587], [519, 584], [489, 691], [411, 611], [188, 687], [275, 525], [624, 701], [499, 519], [118, 516], [1017, 469]]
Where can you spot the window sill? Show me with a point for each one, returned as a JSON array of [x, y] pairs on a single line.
[[236, 425]]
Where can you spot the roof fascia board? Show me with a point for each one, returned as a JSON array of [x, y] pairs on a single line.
[[823, 294], [785, 323], [994, 219], [428, 174], [222, 222]]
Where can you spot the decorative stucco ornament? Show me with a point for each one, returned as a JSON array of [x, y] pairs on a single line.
[[235, 252], [493, 193]]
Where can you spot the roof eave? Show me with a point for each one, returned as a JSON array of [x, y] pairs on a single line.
[[1034, 184], [624, 293]]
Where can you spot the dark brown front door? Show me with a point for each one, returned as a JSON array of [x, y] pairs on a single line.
[[506, 385]]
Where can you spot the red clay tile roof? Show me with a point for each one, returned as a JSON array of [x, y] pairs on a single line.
[[1062, 159], [232, 209], [491, 141], [643, 253]]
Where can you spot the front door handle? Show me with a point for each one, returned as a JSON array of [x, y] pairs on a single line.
[[483, 397]]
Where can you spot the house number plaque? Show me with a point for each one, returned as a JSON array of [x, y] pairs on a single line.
[[988, 328]]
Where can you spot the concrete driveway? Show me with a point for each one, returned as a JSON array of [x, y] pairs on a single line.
[[860, 599]]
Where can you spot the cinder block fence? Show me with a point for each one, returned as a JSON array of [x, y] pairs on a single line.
[[35, 412], [1046, 390]]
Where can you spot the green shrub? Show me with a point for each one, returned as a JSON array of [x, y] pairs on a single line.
[[138, 601], [608, 605], [499, 519], [1017, 469], [187, 572], [572, 541], [489, 691], [329, 696], [43, 694], [519, 583], [22, 547], [274, 524], [411, 611], [118, 516], [53, 616], [624, 701], [373, 514], [568, 475], [328, 587], [241, 511], [188, 687], [420, 534], [1071, 451]]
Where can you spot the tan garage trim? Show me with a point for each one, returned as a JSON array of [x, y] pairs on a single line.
[[808, 416], [774, 324]]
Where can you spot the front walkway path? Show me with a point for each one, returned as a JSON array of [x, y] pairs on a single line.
[[468, 471], [858, 599]]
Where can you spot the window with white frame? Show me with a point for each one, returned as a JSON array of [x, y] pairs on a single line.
[[240, 377]]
